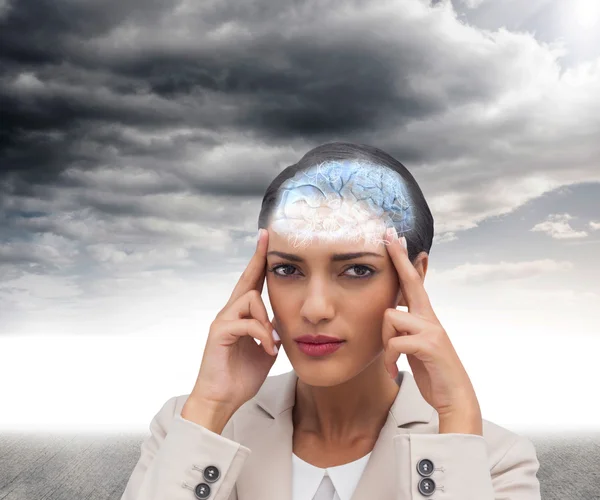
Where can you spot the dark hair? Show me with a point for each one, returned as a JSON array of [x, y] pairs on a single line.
[[418, 239]]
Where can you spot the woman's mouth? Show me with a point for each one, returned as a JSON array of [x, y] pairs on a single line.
[[318, 350]]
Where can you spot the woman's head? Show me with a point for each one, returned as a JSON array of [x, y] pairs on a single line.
[[339, 199]]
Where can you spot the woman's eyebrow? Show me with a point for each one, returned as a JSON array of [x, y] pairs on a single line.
[[335, 257]]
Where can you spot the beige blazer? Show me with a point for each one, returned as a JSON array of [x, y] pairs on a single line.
[[252, 458]]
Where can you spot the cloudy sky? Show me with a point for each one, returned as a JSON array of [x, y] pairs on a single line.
[[137, 140]]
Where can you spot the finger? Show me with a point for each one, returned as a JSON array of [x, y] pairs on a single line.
[[249, 305], [395, 324], [409, 345], [233, 330], [412, 288], [253, 277], [275, 327]]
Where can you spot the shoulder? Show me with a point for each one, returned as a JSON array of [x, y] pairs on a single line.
[[273, 395], [275, 390], [502, 442]]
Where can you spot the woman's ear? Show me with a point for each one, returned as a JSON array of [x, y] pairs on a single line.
[[420, 264]]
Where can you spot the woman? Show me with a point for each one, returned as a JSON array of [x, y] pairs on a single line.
[[344, 424]]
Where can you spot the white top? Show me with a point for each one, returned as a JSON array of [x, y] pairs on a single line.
[[333, 483]]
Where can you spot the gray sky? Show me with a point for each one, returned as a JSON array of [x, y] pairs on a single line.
[[138, 138]]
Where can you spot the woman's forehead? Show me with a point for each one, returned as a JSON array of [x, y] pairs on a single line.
[[295, 247], [332, 233]]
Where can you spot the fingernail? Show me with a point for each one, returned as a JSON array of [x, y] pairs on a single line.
[[275, 336], [275, 349], [258, 236], [403, 241], [392, 233]]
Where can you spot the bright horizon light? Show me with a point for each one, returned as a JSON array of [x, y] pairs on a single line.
[[112, 383]]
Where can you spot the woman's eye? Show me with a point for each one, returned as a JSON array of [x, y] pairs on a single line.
[[362, 274]]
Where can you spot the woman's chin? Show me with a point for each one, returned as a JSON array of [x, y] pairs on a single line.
[[319, 376]]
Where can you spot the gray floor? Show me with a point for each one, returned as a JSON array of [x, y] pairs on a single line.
[[49, 467]]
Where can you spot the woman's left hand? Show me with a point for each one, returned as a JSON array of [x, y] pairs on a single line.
[[436, 367]]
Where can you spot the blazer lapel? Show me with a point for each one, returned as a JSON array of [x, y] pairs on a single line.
[[381, 476], [268, 430]]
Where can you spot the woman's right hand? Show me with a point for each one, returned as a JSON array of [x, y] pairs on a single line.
[[234, 366]]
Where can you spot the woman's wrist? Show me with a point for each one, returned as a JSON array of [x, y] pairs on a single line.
[[209, 415], [467, 423]]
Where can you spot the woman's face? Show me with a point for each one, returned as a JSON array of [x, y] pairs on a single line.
[[341, 298]]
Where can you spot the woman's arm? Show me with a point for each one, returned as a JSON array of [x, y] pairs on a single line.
[[177, 454]]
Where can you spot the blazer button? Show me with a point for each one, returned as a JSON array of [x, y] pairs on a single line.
[[202, 491], [425, 467], [426, 486], [211, 474]]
